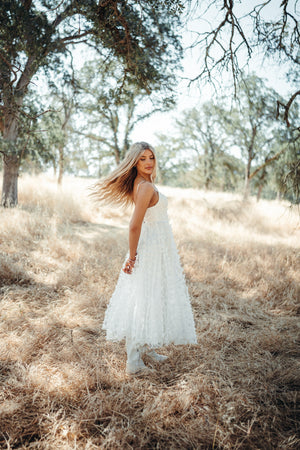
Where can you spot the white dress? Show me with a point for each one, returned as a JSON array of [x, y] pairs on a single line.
[[151, 306]]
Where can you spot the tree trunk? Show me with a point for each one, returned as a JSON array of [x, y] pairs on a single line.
[[260, 188], [117, 154], [251, 155], [205, 169], [11, 161], [207, 183], [247, 185], [60, 165], [10, 181], [54, 167]]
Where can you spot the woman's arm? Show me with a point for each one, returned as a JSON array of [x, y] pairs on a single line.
[[143, 199]]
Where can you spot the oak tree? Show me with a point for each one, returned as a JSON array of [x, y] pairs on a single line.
[[38, 35], [111, 107]]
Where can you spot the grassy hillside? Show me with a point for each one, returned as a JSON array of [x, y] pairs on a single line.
[[64, 387]]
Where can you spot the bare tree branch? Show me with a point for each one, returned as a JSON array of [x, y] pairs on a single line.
[[76, 36], [13, 68], [56, 7], [214, 38], [267, 162], [286, 108], [25, 77], [94, 137], [38, 115], [61, 17]]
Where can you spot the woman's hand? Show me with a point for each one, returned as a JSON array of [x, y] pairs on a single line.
[[129, 265]]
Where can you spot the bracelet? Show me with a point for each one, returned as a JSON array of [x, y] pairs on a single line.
[[131, 259]]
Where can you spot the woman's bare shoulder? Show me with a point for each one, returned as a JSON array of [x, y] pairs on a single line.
[[145, 185], [143, 189]]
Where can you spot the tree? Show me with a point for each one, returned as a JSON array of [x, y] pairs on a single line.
[[214, 134], [54, 126], [111, 106], [36, 35], [32, 140], [172, 163], [286, 173], [233, 32], [241, 32], [201, 142], [251, 127], [198, 131]]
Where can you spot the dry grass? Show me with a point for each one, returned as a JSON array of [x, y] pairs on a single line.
[[64, 386]]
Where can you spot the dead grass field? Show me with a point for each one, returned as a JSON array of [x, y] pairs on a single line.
[[64, 387]]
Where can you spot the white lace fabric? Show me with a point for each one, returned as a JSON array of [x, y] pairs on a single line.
[[151, 306]]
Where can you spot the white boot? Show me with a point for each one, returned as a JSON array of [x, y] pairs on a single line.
[[156, 356], [134, 361]]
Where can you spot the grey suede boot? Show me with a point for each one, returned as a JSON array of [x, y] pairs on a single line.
[[134, 362], [156, 356]]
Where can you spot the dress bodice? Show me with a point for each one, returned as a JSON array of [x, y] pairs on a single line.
[[158, 212]]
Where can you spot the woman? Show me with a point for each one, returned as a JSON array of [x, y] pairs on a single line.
[[150, 305]]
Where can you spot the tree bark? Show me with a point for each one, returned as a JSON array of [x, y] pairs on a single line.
[[205, 169], [11, 160], [11, 166], [260, 188], [54, 167], [247, 181], [11, 110], [251, 156], [60, 165]]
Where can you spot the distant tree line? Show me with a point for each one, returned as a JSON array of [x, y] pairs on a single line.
[[216, 146], [241, 147]]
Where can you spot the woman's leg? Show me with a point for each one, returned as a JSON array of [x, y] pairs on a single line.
[[134, 361]]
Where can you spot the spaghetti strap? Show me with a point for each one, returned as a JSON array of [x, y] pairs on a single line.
[[139, 185]]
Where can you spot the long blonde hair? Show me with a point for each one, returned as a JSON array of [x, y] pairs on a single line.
[[117, 187]]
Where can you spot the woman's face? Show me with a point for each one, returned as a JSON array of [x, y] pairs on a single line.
[[146, 164]]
